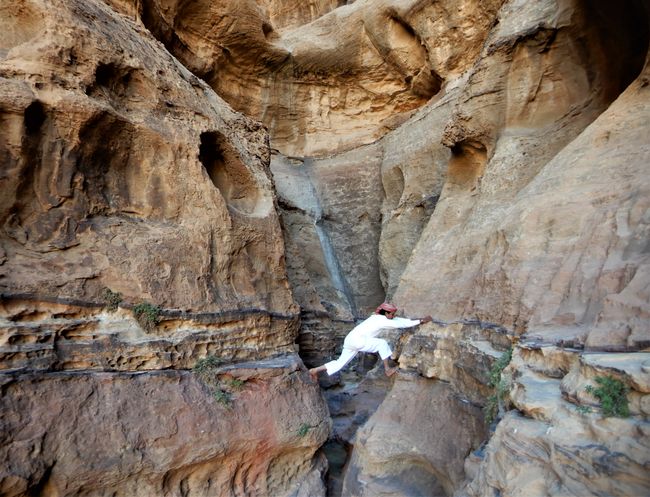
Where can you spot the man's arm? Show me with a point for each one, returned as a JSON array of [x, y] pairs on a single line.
[[407, 323]]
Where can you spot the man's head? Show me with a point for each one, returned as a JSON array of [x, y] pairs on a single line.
[[387, 309]]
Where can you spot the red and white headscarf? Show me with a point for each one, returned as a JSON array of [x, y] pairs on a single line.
[[386, 306]]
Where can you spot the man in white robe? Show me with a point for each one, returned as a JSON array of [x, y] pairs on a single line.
[[362, 338]]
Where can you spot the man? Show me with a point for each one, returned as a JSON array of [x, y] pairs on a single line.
[[362, 339]]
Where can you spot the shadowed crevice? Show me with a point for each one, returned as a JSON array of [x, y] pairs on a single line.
[[467, 164], [228, 173]]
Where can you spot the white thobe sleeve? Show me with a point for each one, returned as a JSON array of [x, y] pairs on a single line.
[[400, 323]]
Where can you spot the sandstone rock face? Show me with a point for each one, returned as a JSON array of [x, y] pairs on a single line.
[[162, 433], [460, 354], [323, 80], [483, 162], [529, 232], [549, 446], [45, 336], [121, 170], [394, 456], [530, 236], [114, 160]]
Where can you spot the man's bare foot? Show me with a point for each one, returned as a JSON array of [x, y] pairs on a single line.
[[390, 371]]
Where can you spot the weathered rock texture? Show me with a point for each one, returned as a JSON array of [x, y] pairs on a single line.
[[548, 446], [540, 224], [321, 79], [394, 456], [54, 336], [162, 433], [121, 169], [539, 231], [483, 162]]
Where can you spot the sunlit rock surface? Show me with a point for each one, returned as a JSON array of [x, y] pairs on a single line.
[[121, 170], [556, 441], [323, 79], [124, 170], [482, 162], [540, 224]]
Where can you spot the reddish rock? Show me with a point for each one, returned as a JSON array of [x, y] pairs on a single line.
[[163, 433]]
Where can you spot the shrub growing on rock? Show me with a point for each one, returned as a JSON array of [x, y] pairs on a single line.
[[612, 394], [222, 391], [496, 382], [147, 315], [112, 299]]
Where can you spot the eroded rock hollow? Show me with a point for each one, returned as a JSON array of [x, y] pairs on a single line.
[[200, 198]]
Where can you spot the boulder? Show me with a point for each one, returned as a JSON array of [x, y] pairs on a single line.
[[164, 432]]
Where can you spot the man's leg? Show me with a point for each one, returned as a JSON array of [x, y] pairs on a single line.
[[390, 371], [334, 366], [381, 347]]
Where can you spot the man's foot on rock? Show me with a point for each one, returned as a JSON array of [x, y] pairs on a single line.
[[390, 371]]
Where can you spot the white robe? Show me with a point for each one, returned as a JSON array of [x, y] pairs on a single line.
[[362, 339]]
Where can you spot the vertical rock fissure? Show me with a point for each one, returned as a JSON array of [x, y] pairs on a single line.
[[330, 258]]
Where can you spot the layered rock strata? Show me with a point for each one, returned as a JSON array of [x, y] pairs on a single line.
[[484, 162], [162, 433], [128, 186], [536, 240], [38, 335], [556, 440]]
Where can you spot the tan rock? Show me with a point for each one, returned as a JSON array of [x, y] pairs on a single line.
[[414, 165], [162, 433], [549, 445], [630, 369], [123, 170], [573, 454], [460, 354], [326, 80], [332, 229], [393, 455], [37, 335], [528, 232], [523, 131], [120, 169]]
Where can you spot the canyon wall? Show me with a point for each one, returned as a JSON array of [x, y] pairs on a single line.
[[139, 236], [482, 162]]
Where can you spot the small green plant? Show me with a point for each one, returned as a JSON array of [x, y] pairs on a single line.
[[583, 409], [237, 384], [498, 367], [491, 408], [206, 367], [303, 430], [112, 299], [224, 398], [612, 394], [147, 315], [222, 390], [498, 384]]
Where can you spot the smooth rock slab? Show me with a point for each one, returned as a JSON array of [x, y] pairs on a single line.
[[415, 443]]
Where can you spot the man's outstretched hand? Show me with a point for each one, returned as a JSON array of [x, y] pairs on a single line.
[[426, 319]]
